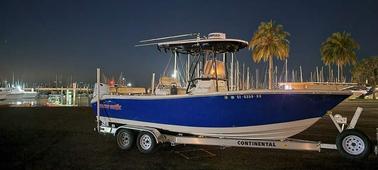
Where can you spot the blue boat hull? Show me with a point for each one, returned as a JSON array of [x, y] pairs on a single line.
[[215, 114]]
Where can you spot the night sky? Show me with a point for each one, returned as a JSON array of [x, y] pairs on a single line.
[[39, 39]]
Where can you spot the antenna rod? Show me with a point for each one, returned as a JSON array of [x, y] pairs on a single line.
[[156, 43], [142, 45], [169, 37]]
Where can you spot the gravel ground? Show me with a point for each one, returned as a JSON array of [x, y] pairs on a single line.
[[63, 138]]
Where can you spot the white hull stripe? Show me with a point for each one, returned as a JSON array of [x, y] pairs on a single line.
[[271, 131]]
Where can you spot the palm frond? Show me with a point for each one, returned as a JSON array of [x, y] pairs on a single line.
[[339, 48], [269, 40]]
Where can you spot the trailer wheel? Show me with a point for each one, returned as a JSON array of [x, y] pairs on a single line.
[[125, 139], [146, 142], [353, 144]]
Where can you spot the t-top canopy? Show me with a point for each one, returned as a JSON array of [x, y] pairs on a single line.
[[216, 42], [194, 46]]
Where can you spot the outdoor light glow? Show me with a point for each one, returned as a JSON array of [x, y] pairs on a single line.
[[174, 74], [129, 84], [111, 82], [288, 87]]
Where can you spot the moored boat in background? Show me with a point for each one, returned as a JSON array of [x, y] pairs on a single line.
[[18, 93], [3, 95]]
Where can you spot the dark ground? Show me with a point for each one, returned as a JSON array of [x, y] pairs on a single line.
[[63, 138]]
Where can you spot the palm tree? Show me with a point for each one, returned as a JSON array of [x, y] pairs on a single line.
[[270, 40], [340, 49], [366, 72]]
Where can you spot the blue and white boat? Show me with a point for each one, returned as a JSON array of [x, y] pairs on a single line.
[[210, 108]]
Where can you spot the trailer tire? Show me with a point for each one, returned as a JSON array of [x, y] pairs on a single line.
[[146, 142], [125, 139], [353, 144]]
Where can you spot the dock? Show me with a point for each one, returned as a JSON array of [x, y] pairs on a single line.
[[50, 89]]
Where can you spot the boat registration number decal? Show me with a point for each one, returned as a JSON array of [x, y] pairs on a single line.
[[247, 96], [111, 106]]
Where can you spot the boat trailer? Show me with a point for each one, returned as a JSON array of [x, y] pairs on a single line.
[[350, 142]]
